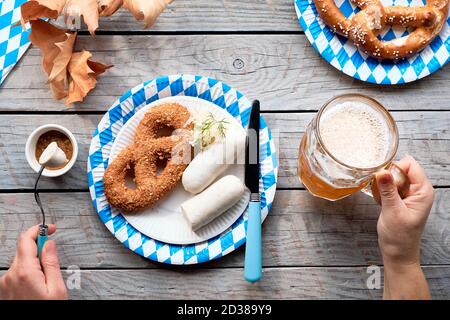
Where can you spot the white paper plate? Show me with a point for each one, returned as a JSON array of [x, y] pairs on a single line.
[[165, 221], [121, 111]]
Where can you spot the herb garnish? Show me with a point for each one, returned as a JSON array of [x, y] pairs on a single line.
[[206, 131]]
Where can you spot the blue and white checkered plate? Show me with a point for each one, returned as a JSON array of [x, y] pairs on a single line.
[[13, 40], [110, 125], [344, 56]]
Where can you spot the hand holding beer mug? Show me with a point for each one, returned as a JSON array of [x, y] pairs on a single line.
[[350, 139]]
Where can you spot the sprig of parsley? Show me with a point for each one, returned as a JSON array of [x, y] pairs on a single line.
[[205, 129]]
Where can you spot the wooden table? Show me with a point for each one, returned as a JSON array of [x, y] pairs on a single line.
[[312, 248]]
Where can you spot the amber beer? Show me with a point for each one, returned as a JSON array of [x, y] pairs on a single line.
[[351, 138]]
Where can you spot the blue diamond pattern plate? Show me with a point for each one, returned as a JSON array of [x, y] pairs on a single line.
[[343, 55], [121, 111], [13, 40]]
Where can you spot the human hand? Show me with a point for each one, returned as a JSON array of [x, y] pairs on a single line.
[[31, 279], [401, 222]]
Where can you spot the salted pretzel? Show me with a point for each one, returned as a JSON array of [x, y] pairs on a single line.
[[364, 27], [143, 156]]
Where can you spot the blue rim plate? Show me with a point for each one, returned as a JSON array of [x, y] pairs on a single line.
[[13, 40], [121, 111], [342, 54]]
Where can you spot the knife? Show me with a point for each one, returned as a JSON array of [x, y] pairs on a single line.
[[253, 251]]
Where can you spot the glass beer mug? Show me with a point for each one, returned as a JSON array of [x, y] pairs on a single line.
[[348, 141]]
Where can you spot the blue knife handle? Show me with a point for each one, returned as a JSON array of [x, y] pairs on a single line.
[[41, 239], [253, 250]]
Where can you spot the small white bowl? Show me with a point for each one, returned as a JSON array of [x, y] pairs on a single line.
[[30, 150]]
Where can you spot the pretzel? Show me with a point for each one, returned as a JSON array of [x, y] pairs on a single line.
[[364, 27], [143, 155]]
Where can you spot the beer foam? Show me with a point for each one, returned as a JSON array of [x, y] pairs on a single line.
[[356, 134]]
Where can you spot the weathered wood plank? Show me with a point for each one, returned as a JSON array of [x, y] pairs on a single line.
[[277, 283], [424, 135], [300, 231], [205, 15], [283, 71]]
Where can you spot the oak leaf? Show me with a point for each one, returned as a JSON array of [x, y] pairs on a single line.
[[35, 9], [147, 10], [74, 9], [83, 73], [56, 46], [73, 75], [108, 7]]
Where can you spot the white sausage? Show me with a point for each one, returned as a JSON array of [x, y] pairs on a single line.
[[212, 162], [211, 203]]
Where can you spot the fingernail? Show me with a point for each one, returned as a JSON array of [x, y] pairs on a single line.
[[385, 180]]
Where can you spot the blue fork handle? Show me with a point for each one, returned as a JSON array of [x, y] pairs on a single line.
[[253, 250], [41, 239], [40, 243]]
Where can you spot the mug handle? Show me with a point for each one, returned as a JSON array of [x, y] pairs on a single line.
[[401, 180]]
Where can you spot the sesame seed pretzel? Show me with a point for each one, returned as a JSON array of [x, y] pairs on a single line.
[[364, 27], [142, 156]]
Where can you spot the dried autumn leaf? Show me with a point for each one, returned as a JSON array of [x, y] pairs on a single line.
[[147, 10], [87, 8], [83, 73], [63, 67], [56, 46], [59, 70], [35, 9], [98, 67], [108, 7]]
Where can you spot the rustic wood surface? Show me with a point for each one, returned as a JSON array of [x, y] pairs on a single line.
[[312, 248], [227, 283], [300, 231], [423, 134], [222, 16], [283, 71]]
